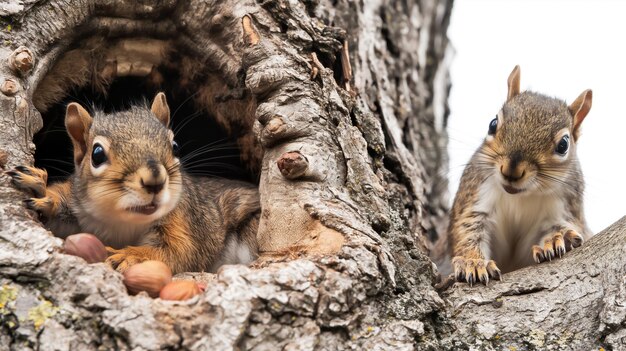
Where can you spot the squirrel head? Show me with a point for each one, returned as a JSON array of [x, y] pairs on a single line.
[[532, 141], [126, 167]]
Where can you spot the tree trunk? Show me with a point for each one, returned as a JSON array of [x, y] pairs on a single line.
[[350, 108]]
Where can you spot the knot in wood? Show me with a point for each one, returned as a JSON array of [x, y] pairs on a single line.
[[22, 60], [276, 129], [381, 223], [292, 164], [10, 87], [275, 125]]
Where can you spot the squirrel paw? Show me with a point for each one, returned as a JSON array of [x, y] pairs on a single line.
[[122, 259], [44, 206], [556, 245], [30, 179], [473, 270]]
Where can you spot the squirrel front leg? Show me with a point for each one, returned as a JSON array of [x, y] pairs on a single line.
[[123, 259], [470, 236], [170, 243], [172, 256], [51, 202]]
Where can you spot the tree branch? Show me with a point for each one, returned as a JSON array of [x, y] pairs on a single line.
[[577, 302]]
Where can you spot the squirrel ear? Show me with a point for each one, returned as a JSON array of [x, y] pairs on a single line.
[[160, 109], [513, 83], [579, 110], [77, 123]]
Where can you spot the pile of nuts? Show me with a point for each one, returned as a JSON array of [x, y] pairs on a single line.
[[153, 277]]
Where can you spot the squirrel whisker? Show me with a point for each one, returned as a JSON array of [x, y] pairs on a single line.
[[189, 118], [184, 102]]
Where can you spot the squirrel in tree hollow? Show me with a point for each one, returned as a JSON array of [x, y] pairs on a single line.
[[521, 195], [129, 189]]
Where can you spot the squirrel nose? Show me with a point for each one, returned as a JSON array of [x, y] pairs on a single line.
[[153, 177], [152, 188], [512, 174]]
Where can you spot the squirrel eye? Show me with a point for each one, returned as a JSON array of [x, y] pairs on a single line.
[[175, 147], [493, 125], [98, 157], [563, 145]]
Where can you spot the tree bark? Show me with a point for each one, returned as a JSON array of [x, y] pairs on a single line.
[[351, 114], [575, 303]]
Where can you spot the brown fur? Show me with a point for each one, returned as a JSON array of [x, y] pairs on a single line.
[[211, 219], [521, 156]]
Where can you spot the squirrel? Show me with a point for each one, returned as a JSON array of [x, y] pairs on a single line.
[[129, 189], [521, 195]]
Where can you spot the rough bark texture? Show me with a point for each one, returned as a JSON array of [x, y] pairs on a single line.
[[351, 113], [575, 303]]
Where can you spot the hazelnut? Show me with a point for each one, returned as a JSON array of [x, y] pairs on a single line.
[[148, 276], [179, 290], [86, 246]]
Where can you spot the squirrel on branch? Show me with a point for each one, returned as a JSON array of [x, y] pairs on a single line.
[[521, 195]]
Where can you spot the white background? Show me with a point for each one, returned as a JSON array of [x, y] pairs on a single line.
[[563, 48]]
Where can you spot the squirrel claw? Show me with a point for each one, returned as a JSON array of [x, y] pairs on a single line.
[[475, 270], [43, 206], [121, 263], [538, 254], [29, 179], [123, 259], [493, 270], [572, 240], [24, 170], [556, 245]]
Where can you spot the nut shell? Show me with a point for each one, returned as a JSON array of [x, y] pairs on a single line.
[[179, 290], [85, 246], [148, 276]]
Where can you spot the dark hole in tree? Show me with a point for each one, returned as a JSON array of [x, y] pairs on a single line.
[[207, 148]]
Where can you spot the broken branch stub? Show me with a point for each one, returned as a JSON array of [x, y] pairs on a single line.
[[22, 60], [276, 129], [9, 87], [283, 128], [292, 165]]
